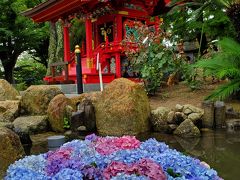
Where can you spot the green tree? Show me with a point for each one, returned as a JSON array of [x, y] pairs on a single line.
[[55, 48], [233, 12], [27, 71], [205, 9], [204, 20], [18, 33]]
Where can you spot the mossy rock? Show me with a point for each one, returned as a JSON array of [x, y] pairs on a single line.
[[11, 149], [7, 91], [35, 99], [187, 129], [122, 108], [57, 111]]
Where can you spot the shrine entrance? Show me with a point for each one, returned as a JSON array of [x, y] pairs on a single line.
[[107, 25]]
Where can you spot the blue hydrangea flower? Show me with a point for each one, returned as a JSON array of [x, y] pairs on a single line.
[[67, 173], [85, 162], [128, 177]]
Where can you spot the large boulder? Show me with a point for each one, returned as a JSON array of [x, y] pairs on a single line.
[[122, 108], [160, 118], [31, 124], [35, 99], [10, 147], [59, 110], [187, 129], [9, 110], [7, 91]]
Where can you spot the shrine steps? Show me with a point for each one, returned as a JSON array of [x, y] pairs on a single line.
[[71, 89]]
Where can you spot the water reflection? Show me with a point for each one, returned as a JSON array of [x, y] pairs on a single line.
[[220, 149]]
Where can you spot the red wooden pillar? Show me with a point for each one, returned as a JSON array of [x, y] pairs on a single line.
[[66, 40], [119, 28], [118, 65], [89, 50]]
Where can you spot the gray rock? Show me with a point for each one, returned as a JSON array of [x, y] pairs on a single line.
[[188, 108], [179, 117], [233, 123], [208, 117], [11, 149], [8, 125], [219, 114], [172, 127], [187, 111], [77, 120], [187, 129], [68, 133], [59, 112], [159, 119], [89, 119], [31, 124], [82, 128], [7, 91], [122, 108], [178, 108], [161, 113], [36, 98], [195, 117], [9, 110], [170, 117]]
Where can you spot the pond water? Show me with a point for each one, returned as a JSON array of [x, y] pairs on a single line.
[[220, 149]]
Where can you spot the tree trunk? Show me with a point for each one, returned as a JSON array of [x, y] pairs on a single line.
[[52, 46], [59, 51], [203, 42], [8, 74], [8, 67], [55, 49]]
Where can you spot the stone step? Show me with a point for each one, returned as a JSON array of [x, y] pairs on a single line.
[[72, 88]]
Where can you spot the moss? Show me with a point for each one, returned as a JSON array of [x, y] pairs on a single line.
[[123, 108]]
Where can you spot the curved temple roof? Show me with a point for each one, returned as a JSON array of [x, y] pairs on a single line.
[[52, 10]]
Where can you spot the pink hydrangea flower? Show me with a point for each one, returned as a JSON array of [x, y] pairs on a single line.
[[144, 167], [106, 146]]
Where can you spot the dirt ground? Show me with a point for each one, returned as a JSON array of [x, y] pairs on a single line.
[[182, 94]]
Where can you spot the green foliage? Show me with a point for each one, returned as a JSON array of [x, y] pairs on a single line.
[[153, 61], [189, 19], [77, 33], [21, 86], [156, 62], [29, 72], [225, 64], [18, 33], [66, 123], [171, 172], [189, 74]]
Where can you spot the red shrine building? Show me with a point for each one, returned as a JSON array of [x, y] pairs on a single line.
[[107, 24]]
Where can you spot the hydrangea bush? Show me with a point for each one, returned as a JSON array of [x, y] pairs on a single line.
[[111, 158]]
